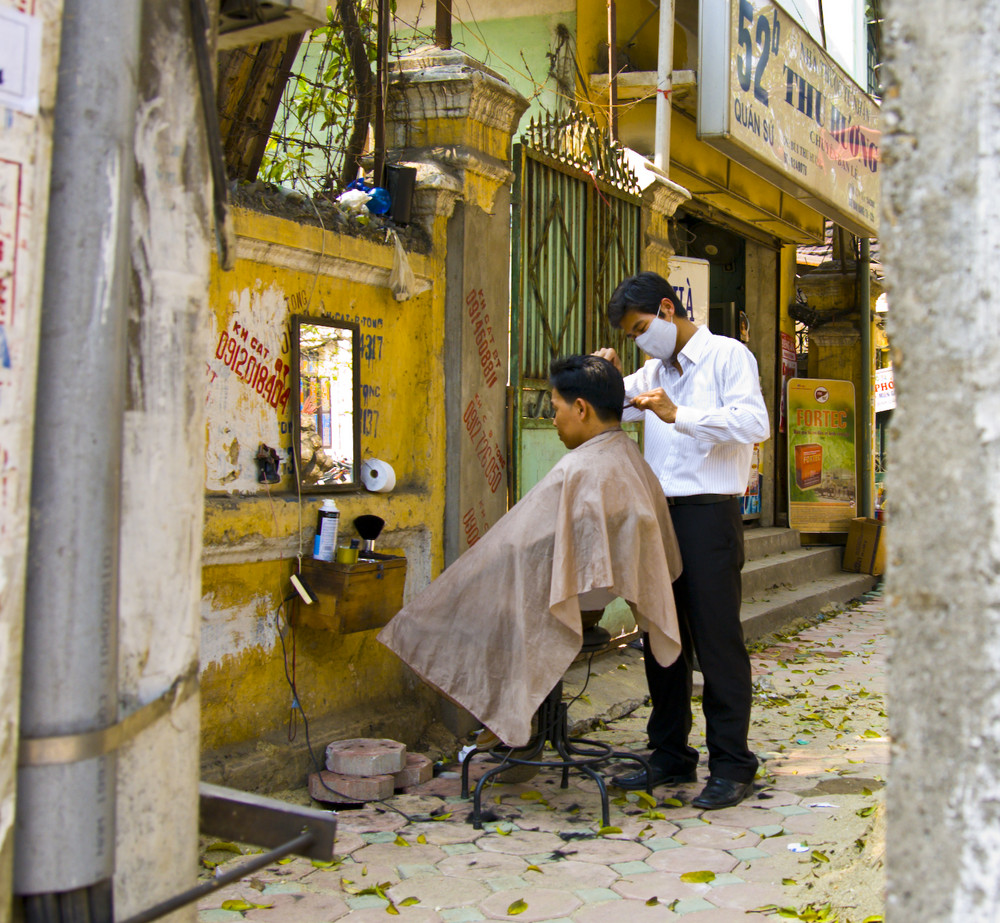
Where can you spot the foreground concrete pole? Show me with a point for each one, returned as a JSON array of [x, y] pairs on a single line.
[[163, 461], [940, 231], [25, 157]]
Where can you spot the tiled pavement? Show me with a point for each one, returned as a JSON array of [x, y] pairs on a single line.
[[809, 834]]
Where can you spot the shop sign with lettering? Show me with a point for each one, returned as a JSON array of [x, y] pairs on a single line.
[[822, 488], [773, 100], [885, 390], [690, 279]]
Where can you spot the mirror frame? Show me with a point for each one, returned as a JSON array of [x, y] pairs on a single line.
[[297, 321]]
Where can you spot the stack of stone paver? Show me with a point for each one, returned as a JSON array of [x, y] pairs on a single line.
[[807, 836], [366, 769]]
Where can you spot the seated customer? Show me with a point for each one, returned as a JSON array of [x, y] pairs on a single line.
[[497, 630]]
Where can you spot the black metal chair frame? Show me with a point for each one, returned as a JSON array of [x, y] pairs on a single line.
[[553, 727]]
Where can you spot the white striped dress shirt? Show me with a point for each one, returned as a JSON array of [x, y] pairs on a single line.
[[720, 415]]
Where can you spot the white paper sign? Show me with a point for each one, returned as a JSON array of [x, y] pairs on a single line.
[[20, 55], [689, 277]]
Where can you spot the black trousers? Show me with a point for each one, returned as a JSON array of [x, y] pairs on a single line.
[[707, 595]]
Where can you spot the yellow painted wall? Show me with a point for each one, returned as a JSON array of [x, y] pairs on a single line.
[[251, 534]]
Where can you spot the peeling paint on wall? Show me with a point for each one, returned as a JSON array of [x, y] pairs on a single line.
[[249, 383]]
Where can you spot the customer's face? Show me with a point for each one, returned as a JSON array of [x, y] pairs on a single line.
[[569, 420]]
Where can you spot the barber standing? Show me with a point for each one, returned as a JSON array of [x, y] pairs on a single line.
[[700, 397]]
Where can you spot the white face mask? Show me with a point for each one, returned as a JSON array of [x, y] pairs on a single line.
[[659, 339]]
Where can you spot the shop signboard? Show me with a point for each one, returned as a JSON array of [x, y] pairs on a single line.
[[690, 278], [822, 487], [774, 101], [885, 390]]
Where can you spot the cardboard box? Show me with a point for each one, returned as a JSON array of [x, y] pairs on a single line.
[[354, 597], [864, 552]]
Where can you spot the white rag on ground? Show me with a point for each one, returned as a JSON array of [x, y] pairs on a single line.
[[497, 630]]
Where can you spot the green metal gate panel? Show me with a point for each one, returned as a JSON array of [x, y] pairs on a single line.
[[577, 216]]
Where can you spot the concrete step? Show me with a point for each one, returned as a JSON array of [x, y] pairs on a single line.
[[795, 567], [774, 610], [772, 540]]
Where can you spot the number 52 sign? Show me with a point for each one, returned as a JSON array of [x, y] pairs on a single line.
[[773, 100]]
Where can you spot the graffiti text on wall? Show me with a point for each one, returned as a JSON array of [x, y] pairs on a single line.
[[247, 357], [486, 344], [487, 451]]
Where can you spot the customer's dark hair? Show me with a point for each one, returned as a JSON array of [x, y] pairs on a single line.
[[642, 293], [594, 379]]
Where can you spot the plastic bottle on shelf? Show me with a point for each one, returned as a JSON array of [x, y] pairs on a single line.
[[326, 531]]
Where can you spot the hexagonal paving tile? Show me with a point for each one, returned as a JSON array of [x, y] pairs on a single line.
[[604, 850], [692, 859], [481, 866], [717, 837], [521, 843], [439, 892], [666, 886], [543, 904]]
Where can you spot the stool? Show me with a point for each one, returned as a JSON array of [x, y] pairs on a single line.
[[553, 728]]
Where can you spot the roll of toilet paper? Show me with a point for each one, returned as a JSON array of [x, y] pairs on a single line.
[[378, 476]]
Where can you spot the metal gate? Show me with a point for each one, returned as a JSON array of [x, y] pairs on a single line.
[[577, 214]]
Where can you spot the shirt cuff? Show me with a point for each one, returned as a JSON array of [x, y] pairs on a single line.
[[686, 420]]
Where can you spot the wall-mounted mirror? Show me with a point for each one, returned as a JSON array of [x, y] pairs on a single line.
[[326, 418]]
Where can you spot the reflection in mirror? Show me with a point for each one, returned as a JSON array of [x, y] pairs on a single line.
[[326, 421]]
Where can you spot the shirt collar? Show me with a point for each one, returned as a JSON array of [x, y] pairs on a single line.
[[695, 348]]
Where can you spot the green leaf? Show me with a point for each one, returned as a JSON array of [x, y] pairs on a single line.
[[391, 909], [653, 901], [698, 877], [533, 796], [871, 733], [646, 799], [818, 856], [789, 881], [653, 815], [285, 860], [399, 841], [866, 812], [673, 802], [226, 846], [878, 918], [244, 905], [517, 907], [607, 831], [421, 839], [445, 815], [326, 864], [534, 868], [409, 901]]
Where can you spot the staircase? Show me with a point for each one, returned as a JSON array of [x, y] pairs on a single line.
[[784, 581]]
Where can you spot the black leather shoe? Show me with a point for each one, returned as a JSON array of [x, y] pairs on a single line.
[[637, 780], [722, 793]]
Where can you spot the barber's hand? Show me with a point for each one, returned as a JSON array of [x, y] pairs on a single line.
[[609, 354], [657, 401]]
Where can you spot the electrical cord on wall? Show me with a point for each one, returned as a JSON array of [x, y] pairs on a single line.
[[297, 707]]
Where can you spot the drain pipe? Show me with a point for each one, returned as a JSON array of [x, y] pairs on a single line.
[[65, 822], [664, 87], [867, 377]]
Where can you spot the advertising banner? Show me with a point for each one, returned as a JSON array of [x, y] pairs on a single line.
[[822, 487], [773, 100], [885, 390], [789, 367]]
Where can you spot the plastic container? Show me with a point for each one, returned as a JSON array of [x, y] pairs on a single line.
[[326, 531]]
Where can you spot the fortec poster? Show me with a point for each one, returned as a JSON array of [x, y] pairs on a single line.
[[822, 488]]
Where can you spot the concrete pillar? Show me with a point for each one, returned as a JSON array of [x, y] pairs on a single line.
[[940, 234], [163, 472], [454, 118], [25, 157], [761, 298]]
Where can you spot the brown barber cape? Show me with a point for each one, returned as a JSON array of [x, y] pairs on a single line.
[[497, 630]]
